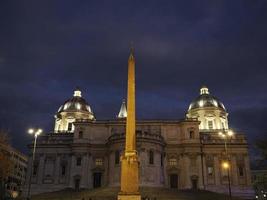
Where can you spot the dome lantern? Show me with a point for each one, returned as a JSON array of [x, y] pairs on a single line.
[[77, 92], [204, 90]]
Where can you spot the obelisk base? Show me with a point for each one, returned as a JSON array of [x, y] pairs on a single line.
[[129, 177], [129, 197]]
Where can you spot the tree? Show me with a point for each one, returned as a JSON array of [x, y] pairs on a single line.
[[5, 161], [261, 145]]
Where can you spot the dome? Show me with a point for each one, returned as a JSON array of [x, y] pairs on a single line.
[[75, 104], [205, 100]]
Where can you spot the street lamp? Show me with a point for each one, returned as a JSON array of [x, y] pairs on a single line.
[[34, 132], [226, 165]]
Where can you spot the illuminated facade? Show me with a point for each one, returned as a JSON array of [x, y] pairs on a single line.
[[209, 111], [84, 152], [72, 109], [17, 174]]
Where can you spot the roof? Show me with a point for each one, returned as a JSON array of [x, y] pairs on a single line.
[[76, 103], [205, 99]]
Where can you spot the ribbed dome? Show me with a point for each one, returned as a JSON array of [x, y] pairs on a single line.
[[75, 104], [205, 99]]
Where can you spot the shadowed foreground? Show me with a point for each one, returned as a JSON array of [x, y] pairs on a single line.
[[111, 194]]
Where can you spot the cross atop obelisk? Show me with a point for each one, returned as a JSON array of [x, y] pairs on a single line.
[[129, 161]]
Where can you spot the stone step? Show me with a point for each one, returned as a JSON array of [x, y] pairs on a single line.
[[149, 193]]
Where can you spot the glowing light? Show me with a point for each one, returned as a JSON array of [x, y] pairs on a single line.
[[60, 108], [78, 106], [230, 133], [66, 106], [225, 165], [204, 90], [88, 108], [201, 103], [39, 131], [14, 194], [77, 93], [190, 106], [222, 134], [30, 131], [35, 132], [215, 103]]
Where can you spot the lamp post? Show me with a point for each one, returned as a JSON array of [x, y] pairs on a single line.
[[34, 132], [226, 165], [201, 156]]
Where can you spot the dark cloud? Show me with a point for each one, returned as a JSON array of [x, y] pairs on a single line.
[[47, 48]]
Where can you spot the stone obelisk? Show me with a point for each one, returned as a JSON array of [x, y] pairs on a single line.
[[129, 160]]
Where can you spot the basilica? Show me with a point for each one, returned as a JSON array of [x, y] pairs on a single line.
[[198, 152]]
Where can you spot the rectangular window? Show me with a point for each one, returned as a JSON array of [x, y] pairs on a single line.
[[224, 171], [210, 171], [241, 171], [78, 161], [223, 125], [35, 168], [69, 126], [210, 124], [151, 157], [98, 162], [80, 134], [63, 170], [117, 157], [191, 134], [172, 162]]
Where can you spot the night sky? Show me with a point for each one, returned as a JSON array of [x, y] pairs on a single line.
[[47, 48]]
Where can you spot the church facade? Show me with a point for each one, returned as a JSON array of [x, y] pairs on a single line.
[[84, 153]]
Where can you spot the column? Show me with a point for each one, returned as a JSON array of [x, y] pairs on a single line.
[[217, 169], [41, 168], [234, 171], [200, 176], [57, 169], [187, 184], [71, 169], [84, 172], [90, 176]]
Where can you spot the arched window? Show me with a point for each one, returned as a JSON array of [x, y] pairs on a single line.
[[151, 157]]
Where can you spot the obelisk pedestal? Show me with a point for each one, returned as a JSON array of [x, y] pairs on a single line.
[[129, 177], [129, 161]]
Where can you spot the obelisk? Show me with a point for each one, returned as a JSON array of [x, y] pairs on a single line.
[[129, 160]]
